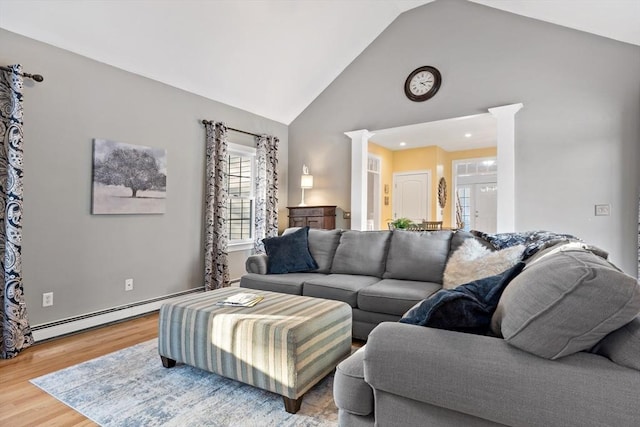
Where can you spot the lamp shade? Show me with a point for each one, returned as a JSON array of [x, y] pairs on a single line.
[[306, 181]]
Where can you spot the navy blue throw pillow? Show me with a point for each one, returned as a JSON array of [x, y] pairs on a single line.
[[289, 253], [467, 308]]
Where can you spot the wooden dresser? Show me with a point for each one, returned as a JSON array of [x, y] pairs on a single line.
[[313, 216]]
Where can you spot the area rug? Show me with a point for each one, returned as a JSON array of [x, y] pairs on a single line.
[[131, 388]]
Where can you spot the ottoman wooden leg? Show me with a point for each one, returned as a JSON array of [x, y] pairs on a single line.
[[167, 363], [292, 405]]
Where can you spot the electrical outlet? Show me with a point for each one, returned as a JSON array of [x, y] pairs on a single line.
[[47, 299], [346, 215], [603, 210], [128, 285]]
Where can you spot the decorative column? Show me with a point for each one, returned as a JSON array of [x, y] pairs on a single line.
[[505, 118], [359, 153]]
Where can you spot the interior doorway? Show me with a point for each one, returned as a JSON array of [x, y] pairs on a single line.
[[411, 198], [505, 133], [373, 192], [476, 194]]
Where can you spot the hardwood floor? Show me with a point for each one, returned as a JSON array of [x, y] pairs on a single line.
[[23, 404]]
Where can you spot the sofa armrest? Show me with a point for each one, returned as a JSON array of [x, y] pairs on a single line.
[[488, 378], [256, 264]]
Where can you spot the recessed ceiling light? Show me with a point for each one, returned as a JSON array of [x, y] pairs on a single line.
[[402, 144], [467, 135]]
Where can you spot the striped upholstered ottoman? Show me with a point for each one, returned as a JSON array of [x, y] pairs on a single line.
[[284, 344]]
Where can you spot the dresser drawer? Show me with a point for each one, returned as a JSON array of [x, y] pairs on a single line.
[[311, 211], [313, 216]]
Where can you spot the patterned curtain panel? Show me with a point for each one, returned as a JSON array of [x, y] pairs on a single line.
[[216, 267], [16, 333], [266, 222]]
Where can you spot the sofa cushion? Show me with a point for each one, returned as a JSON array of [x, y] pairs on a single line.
[[289, 253], [622, 346], [392, 296], [350, 391], [322, 246], [565, 303], [417, 256], [467, 308], [284, 283], [473, 261], [341, 287], [362, 253]]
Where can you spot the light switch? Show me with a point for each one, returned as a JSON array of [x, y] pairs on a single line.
[[603, 210]]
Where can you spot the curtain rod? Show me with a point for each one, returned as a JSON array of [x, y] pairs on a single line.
[[36, 77], [206, 122]]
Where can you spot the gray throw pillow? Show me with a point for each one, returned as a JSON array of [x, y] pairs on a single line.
[[361, 252], [419, 256], [622, 346], [565, 303]]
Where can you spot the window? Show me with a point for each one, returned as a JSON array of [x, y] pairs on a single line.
[[240, 212], [464, 206]]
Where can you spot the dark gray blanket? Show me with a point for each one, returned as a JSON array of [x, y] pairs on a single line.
[[467, 308]]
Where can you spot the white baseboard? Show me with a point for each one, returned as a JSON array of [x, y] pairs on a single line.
[[91, 320]]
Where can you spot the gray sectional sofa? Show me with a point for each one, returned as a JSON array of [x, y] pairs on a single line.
[[564, 350], [410, 375], [380, 274], [566, 353]]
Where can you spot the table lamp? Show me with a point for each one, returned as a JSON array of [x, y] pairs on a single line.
[[306, 182]]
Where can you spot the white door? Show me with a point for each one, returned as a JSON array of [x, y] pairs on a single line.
[[478, 204], [486, 202], [411, 196]]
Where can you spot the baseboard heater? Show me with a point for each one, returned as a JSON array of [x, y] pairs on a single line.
[[75, 324]]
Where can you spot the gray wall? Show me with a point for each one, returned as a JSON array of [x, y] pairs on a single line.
[[576, 137], [83, 258]]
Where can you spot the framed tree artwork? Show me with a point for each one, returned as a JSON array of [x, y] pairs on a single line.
[[128, 179]]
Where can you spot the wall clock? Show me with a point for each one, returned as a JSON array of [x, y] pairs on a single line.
[[422, 83], [442, 192]]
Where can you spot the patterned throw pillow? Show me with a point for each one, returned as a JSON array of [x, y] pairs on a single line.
[[472, 261], [534, 241]]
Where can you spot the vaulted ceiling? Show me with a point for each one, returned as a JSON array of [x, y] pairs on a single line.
[[269, 57]]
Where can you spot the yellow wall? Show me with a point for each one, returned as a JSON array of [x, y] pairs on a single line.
[[433, 159], [473, 154]]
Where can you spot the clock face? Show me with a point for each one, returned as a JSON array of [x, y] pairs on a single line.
[[422, 83]]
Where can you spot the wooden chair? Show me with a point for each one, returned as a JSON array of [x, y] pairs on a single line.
[[423, 226], [431, 225]]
